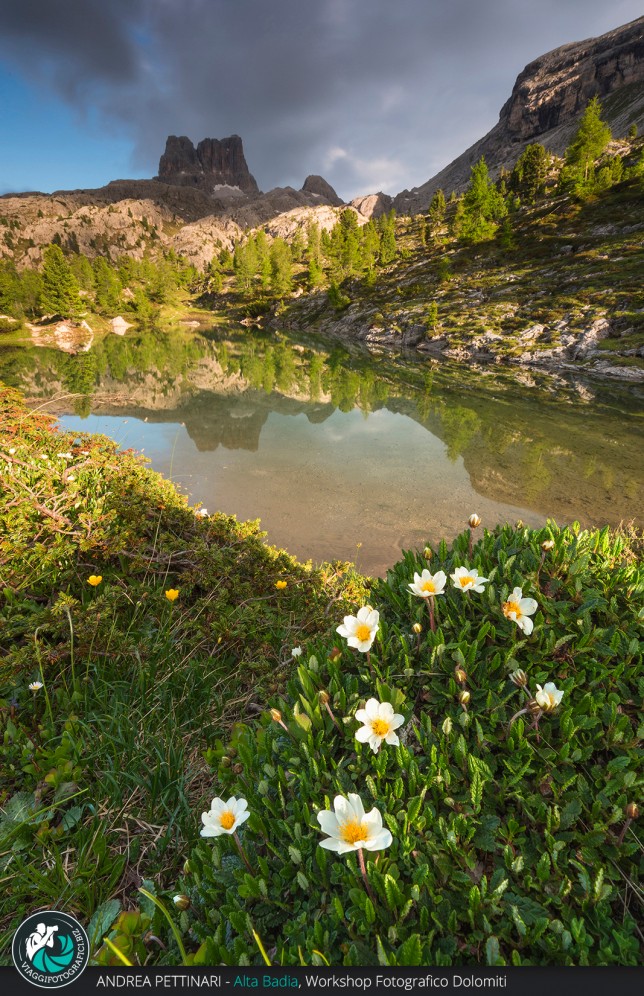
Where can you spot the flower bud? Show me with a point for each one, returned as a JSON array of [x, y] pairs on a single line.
[[447, 726], [187, 869], [417, 628], [464, 697], [238, 769], [276, 715], [181, 901], [460, 675], [632, 811], [547, 545], [427, 553], [474, 520], [533, 707], [324, 697], [519, 524], [519, 678], [335, 654]]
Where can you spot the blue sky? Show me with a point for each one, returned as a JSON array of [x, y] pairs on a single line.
[[370, 94]]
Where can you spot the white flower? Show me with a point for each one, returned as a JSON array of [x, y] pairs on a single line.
[[360, 631], [468, 580], [35, 686], [548, 697], [12, 450], [518, 609], [66, 456], [224, 817], [350, 828], [71, 477], [201, 513], [427, 584], [296, 652], [379, 721]]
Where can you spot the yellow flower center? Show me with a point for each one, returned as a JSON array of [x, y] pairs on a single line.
[[428, 586], [380, 727], [362, 631], [227, 819], [351, 832], [509, 607], [465, 580]]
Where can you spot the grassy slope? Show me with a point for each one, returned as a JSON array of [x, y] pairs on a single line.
[[569, 262], [103, 767]]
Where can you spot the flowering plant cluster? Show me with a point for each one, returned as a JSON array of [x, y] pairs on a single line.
[[422, 795]]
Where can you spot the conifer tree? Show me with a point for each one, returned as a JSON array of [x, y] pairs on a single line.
[[59, 294], [483, 206], [529, 174], [591, 138], [388, 238]]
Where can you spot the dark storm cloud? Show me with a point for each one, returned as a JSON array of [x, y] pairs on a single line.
[[370, 93]]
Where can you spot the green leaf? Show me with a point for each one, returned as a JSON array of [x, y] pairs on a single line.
[[102, 921]]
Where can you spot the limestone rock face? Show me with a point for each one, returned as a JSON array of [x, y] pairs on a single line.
[[546, 103], [319, 187], [215, 162], [373, 205]]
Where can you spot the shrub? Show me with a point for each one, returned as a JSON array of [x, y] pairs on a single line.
[[510, 844]]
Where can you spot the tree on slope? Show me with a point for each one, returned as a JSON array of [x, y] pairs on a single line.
[[591, 139], [59, 288]]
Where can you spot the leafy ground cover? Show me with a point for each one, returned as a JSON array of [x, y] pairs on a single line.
[[511, 817], [147, 670]]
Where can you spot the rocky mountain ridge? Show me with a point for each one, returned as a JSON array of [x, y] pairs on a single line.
[[546, 103]]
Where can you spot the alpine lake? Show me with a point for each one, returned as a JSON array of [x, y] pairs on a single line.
[[346, 454]]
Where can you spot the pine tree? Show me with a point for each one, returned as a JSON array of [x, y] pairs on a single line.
[[388, 238], [483, 206], [591, 139], [314, 256], [59, 288], [281, 266], [530, 171]]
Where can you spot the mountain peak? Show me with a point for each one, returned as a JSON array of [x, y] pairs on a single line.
[[215, 162]]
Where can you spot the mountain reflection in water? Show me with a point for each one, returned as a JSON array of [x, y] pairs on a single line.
[[348, 455]]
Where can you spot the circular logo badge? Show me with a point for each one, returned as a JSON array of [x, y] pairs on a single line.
[[50, 949]]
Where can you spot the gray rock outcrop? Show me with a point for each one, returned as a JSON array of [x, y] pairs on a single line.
[[319, 187], [547, 101], [215, 162]]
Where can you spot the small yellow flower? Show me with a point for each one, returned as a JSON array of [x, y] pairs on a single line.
[[172, 594], [280, 585], [94, 579]]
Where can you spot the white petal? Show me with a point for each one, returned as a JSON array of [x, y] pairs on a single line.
[[379, 841], [210, 831], [364, 613], [329, 822], [516, 595], [386, 711], [361, 716], [241, 818], [392, 738], [343, 631], [528, 606], [397, 720], [363, 734], [527, 625], [371, 708], [343, 809], [331, 844], [356, 803], [374, 742]]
